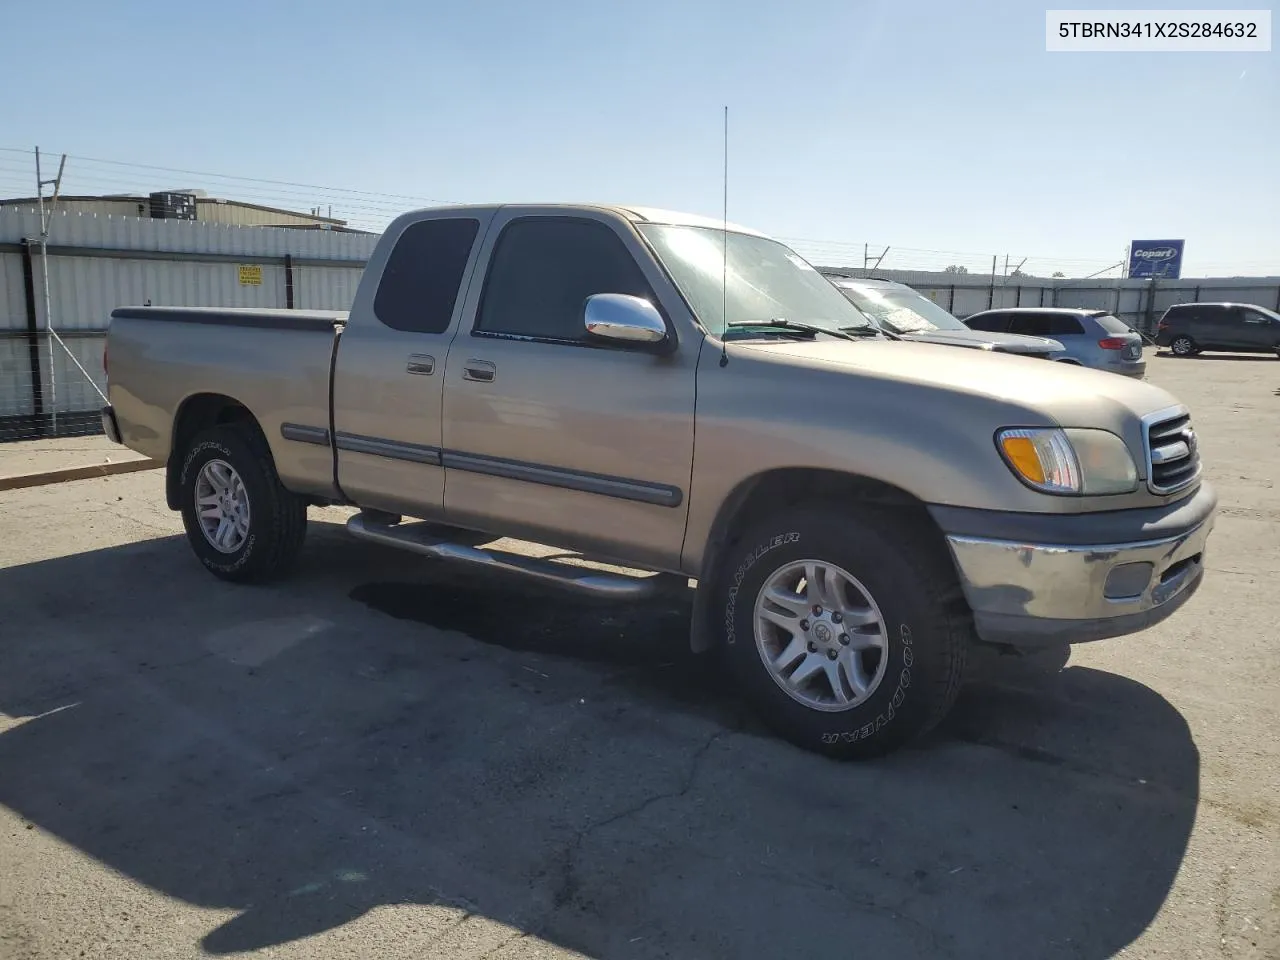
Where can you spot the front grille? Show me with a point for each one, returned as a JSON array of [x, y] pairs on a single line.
[[1173, 454]]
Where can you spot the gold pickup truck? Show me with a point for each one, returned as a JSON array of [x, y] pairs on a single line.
[[669, 394]]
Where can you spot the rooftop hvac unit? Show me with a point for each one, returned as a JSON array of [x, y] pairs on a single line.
[[173, 206]]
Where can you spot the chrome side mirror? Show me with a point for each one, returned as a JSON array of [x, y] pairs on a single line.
[[624, 319]]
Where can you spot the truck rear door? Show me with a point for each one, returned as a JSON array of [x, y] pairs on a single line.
[[548, 434], [388, 382]]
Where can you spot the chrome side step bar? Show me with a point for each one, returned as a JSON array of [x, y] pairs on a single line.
[[424, 538]]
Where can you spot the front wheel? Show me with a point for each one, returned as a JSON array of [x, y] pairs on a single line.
[[847, 632], [1183, 347], [241, 522]]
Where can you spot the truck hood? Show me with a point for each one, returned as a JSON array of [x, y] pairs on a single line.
[[1066, 394], [1001, 342]]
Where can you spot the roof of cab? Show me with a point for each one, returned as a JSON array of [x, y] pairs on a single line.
[[634, 213], [677, 218]]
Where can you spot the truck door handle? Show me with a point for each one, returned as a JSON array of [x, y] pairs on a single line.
[[421, 363], [481, 371]]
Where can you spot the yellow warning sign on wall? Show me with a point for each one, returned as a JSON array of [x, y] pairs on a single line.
[[251, 274]]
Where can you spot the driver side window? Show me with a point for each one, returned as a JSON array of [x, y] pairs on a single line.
[[543, 270]]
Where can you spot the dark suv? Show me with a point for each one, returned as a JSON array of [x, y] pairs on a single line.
[[1188, 328]]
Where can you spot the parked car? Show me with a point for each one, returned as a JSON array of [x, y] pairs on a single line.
[[901, 310], [857, 512], [1190, 328], [1092, 338]]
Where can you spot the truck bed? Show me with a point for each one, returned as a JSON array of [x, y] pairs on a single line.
[[274, 362]]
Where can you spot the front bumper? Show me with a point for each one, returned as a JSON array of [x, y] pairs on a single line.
[[1036, 592]]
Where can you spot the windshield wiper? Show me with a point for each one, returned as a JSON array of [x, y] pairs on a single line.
[[784, 324], [869, 331]]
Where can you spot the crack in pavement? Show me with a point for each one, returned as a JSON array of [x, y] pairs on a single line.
[[566, 890]]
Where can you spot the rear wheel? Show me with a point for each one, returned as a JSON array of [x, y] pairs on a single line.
[[847, 632], [1183, 347], [241, 522]]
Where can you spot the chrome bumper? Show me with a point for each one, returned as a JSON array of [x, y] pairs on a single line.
[[1031, 594]]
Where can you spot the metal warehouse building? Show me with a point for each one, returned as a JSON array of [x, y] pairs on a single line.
[[183, 249], [185, 204], [99, 261]]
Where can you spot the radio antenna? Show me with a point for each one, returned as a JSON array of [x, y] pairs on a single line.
[[724, 275]]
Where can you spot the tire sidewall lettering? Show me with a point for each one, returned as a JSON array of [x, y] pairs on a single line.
[[886, 716], [760, 550]]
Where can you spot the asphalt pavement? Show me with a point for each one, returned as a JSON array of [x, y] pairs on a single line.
[[382, 757]]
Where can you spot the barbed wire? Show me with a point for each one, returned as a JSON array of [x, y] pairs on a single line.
[[372, 210]]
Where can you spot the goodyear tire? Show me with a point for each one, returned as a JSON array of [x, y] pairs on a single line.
[[817, 599], [242, 524]]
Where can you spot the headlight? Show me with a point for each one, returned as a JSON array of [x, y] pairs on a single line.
[[1072, 461]]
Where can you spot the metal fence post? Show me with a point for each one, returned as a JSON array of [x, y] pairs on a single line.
[[288, 281], [33, 340]]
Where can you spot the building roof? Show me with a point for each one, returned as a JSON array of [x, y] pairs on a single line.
[[145, 198]]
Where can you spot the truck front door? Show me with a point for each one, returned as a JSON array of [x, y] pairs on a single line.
[[548, 434]]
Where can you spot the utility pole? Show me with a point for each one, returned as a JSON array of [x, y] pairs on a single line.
[[46, 218]]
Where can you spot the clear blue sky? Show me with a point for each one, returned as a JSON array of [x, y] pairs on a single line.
[[936, 125]]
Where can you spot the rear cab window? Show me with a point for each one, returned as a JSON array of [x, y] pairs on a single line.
[[419, 286]]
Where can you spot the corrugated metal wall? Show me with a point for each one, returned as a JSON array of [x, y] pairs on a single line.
[[320, 288], [1138, 302], [184, 236], [98, 263]]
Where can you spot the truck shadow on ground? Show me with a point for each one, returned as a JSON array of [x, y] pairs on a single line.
[[566, 769]]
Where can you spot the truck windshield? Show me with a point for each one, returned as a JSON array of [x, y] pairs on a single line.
[[765, 279], [900, 310]]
